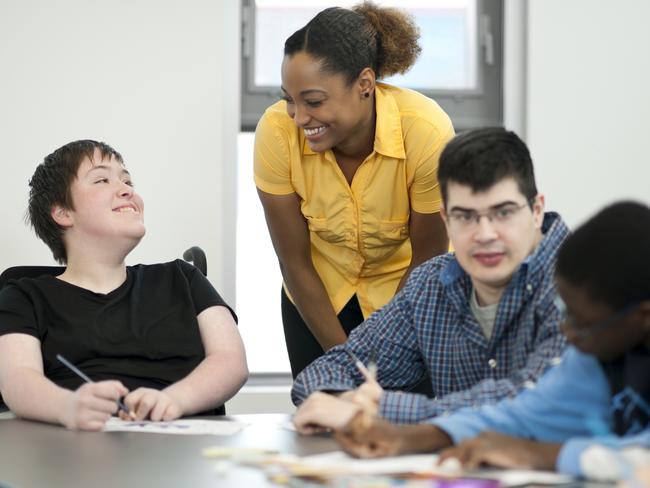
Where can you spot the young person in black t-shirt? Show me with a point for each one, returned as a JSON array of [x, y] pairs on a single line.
[[158, 335]]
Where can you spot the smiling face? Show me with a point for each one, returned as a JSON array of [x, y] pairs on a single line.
[[490, 251], [106, 209], [332, 113]]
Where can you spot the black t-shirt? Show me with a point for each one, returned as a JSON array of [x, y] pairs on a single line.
[[143, 333], [629, 378]]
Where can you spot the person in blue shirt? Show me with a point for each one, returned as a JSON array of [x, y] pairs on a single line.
[[479, 323], [589, 415]]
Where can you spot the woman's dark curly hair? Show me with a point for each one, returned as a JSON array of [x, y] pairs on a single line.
[[347, 41]]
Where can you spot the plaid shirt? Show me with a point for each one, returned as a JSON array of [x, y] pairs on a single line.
[[429, 329]]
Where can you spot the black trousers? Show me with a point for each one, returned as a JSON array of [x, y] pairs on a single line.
[[302, 346]]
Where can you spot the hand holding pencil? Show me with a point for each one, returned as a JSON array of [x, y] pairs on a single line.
[[351, 409], [369, 372], [93, 403], [368, 394]]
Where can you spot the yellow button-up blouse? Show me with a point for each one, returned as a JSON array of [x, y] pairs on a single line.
[[360, 232]]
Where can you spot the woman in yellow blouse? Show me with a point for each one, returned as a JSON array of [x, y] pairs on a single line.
[[345, 168]]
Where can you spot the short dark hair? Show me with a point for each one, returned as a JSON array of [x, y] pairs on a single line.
[[609, 255], [347, 41], [50, 185], [481, 158]]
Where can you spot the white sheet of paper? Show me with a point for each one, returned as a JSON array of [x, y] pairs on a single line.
[[8, 415], [288, 425], [181, 426], [519, 477], [339, 461]]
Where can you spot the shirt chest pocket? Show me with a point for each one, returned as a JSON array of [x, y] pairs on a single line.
[[385, 233], [334, 231]]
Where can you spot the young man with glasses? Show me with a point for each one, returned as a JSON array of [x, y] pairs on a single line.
[[590, 415], [481, 323]]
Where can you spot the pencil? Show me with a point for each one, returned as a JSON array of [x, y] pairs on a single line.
[[370, 372], [84, 377], [372, 363]]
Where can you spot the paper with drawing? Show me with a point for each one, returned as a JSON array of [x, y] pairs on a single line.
[[181, 426]]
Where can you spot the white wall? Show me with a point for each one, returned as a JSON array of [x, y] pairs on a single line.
[[156, 79], [159, 80], [588, 102]]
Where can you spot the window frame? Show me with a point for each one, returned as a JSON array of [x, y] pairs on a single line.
[[468, 109]]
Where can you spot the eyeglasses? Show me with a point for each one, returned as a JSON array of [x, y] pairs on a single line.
[[580, 331], [469, 219]]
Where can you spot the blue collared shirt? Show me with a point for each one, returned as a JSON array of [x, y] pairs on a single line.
[[429, 329], [573, 405]]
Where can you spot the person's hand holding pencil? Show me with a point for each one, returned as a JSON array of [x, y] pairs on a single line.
[[368, 394], [323, 411], [93, 403]]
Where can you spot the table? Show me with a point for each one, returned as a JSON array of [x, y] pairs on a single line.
[[38, 455]]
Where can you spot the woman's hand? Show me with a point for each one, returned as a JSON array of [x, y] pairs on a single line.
[[153, 404], [92, 404]]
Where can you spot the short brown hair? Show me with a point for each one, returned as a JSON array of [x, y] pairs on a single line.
[[481, 158], [50, 185]]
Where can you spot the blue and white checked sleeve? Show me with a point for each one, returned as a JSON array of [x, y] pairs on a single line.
[[389, 333]]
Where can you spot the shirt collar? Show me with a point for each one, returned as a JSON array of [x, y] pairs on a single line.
[[555, 231], [389, 140]]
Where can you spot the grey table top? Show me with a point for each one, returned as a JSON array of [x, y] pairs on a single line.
[[37, 455]]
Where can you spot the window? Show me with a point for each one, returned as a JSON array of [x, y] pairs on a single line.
[[258, 274], [459, 67]]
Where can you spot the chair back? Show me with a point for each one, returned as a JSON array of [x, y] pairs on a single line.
[[196, 256]]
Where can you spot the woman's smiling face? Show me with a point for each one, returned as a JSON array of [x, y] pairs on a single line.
[[330, 111]]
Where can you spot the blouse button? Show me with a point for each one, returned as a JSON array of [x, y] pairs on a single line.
[[492, 363]]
